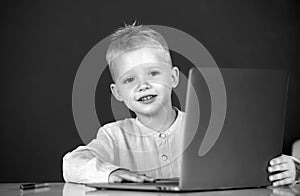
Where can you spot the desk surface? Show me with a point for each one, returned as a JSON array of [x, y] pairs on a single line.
[[67, 189]]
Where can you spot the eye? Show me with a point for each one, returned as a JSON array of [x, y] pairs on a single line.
[[128, 80], [154, 73]]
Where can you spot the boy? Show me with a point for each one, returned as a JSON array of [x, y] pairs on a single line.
[[148, 146]]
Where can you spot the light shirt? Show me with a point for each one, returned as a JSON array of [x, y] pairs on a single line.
[[127, 144]]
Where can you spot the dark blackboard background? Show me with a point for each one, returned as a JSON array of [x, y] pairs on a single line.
[[44, 42]]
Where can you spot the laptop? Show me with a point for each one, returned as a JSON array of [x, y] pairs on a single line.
[[230, 137]]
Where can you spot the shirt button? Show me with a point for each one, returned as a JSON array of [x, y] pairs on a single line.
[[162, 135], [164, 157]]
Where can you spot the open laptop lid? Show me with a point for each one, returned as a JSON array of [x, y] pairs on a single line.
[[251, 135]]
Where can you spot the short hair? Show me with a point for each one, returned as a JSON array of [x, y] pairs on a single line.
[[132, 37]]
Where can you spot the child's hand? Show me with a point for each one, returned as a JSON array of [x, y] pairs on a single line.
[[123, 175], [286, 169]]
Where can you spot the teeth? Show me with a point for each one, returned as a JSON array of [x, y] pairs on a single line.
[[146, 98]]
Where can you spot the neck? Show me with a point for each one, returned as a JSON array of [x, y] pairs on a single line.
[[159, 122]]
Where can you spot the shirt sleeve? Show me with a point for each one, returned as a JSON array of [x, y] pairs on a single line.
[[91, 163], [297, 165]]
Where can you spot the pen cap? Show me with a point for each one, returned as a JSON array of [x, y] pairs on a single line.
[[27, 186]]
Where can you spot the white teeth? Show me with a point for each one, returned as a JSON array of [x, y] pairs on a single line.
[[146, 98]]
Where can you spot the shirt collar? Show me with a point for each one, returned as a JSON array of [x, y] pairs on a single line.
[[146, 131]]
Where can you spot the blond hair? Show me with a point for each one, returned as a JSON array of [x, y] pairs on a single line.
[[133, 37]]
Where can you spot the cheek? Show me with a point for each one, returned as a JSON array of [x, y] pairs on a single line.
[[167, 78], [164, 82], [126, 93]]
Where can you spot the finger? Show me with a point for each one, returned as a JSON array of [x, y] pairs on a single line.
[[278, 160], [285, 181], [144, 176], [115, 179], [136, 172], [281, 167], [131, 177], [147, 178], [280, 176]]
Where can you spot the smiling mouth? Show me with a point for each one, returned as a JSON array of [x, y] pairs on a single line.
[[146, 98]]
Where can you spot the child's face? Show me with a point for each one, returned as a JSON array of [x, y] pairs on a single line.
[[144, 81]]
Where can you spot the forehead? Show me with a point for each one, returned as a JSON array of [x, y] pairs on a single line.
[[140, 58]]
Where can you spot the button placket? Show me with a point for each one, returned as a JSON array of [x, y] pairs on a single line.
[[164, 157], [162, 135]]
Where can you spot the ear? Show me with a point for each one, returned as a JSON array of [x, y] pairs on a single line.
[[174, 76], [115, 92]]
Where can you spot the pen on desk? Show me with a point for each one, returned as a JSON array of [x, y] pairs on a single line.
[[33, 186]]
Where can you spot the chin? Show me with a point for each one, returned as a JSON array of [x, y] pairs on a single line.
[[150, 110]]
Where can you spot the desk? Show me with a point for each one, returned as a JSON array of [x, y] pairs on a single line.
[[68, 189]]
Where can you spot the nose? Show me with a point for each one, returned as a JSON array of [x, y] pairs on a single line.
[[144, 86]]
